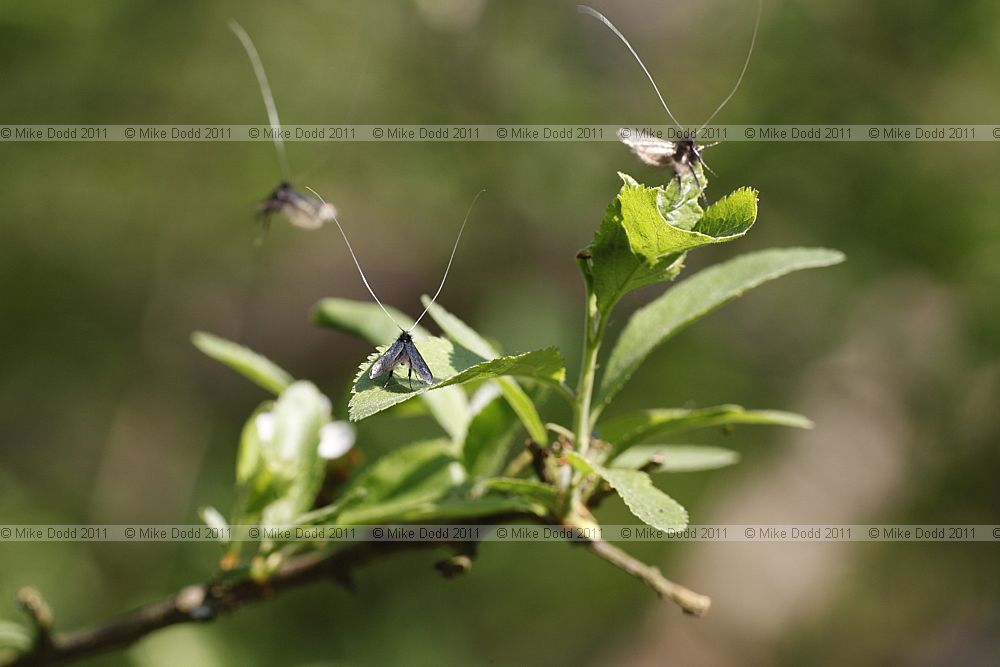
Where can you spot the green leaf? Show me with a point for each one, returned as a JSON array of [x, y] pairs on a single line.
[[636, 245], [681, 207], [372, 396], [543, 494], [362, 319], [730, 217], [449, 406], [676, 458], [644, 500], [523, 406], [491, 431], [459, 331], [422, 482], [468, 338], [450, 365], [243, 360], [450, 409], [251, 473], [627, 430], [425, 482], [696, 297], [279, 467], [328, 513], [545, 365], [439, 511], [420, 471]]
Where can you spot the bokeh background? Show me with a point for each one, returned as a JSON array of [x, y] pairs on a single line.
[[111, 254]]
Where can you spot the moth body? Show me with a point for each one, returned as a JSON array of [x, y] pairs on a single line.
[[403, 352], [301, 210]]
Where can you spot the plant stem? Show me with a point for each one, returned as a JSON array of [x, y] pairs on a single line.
[[691, 602], [207, 601], [564, 390], [592, 334], [204, 602]]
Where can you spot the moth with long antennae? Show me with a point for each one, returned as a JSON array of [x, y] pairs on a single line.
[[403, 351], [301, 210], [682, 156]]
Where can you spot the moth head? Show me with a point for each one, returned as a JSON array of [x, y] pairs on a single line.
[[687, 151]]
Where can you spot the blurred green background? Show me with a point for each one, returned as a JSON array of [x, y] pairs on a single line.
[[111, 254]]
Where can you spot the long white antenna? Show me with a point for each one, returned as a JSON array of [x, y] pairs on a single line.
[[265, 91], [358, 264], [746, 63], [611, 26], [450, 260]]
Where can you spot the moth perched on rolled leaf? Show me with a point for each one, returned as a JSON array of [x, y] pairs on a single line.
[[301, 210], [681, 156], [684, 155], [403, 351]]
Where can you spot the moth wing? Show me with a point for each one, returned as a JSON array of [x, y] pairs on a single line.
[[651, 150], [389, 360], [306, 212], [417, 362]]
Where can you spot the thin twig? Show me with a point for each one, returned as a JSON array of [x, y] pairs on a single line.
[[203, 602], [691, 602]]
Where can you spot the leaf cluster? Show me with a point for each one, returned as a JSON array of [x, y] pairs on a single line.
[[488, 402]]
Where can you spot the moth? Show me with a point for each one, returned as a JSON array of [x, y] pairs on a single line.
[[682, 156], [403, 351], [304, 211]]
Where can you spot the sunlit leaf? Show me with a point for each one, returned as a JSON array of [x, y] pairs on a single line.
[[449, 406], [243, 360], [459, 331], [544, 494], [425, 482], [637, 245], [636, 489], [363, 319], [419, 471], [491, 431], [468, 338], [450, 365], [440, 511], [279, 468], [695, 297], [730, 216], [251, 474], [635, 427], [675, 458]]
